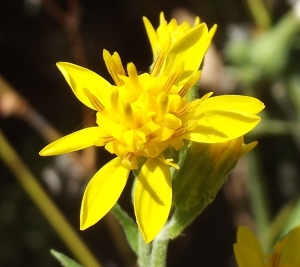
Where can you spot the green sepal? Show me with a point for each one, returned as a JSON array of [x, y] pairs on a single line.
[[130, 227], [202, 173], [203, 170], [64, 260], [193, 93]]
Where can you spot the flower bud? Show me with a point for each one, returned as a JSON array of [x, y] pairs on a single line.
[[203, 170]]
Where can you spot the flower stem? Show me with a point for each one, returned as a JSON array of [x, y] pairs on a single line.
[[178, 222], [143, 252], [258, 198], [159, 250]]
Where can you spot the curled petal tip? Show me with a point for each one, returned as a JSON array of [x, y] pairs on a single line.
[[42, 153], [83, 222], [47, 151]]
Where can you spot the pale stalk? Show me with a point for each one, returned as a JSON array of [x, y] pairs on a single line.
[[45, 204], [178, 222], [259, 13], [144, 251], [159, 250], [258, 199]]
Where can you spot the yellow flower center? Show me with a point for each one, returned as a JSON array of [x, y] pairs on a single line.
[[145, 114]]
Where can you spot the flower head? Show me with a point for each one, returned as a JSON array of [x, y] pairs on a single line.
[[249, 253], [140, 117]]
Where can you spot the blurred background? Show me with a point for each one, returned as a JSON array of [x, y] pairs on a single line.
[[255, 51]]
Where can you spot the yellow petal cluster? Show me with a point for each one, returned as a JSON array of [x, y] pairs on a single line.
[[249, 253], [140, 116], [173, 44]]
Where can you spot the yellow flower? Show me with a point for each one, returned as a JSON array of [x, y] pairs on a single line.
[[249, 253], [173, 44], [140, 117]]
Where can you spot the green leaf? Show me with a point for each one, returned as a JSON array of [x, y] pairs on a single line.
[[130, 227], [64, 260]]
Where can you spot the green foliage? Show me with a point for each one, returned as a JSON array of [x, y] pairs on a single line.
[[267, 54], [130, 227], [64, 260]]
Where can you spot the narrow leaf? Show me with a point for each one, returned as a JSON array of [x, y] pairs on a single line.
[[129, 225], [64, 260]]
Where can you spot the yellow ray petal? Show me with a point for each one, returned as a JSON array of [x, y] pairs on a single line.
[[190, 39], [152, 198], [80, 78], [233, 103], [151, 35], [190, 50], [225, 118], [290, 252], [102, 192], [211, 34], [246, 237], [245, 257], [72, 142], [248, 250], [220, 126]]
